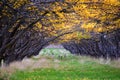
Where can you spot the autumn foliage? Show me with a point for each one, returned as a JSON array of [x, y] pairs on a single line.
[[33, 24]]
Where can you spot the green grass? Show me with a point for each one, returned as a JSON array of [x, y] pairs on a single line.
[[69, 68]]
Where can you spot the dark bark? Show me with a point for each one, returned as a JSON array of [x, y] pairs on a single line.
[[105, 45], [0, 62]]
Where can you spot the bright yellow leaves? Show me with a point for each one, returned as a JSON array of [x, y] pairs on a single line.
[[38, 25], [61, 15], [99, 29], [81, 35], [56, 7], [75, 36], [64, 16], [68, 37], [33, 8], [86, 11], [88, 26], [53, 7], [19, 3], [71, 1], [112, 2]]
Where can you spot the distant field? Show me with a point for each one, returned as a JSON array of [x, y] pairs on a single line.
[[59, 64], [55, 52]]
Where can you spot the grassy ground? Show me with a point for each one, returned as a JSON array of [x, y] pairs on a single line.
[[63, 67]]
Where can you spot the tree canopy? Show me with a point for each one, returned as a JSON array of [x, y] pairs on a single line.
[[33, 24]]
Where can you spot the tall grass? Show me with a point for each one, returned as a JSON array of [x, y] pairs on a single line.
[[59, 64]]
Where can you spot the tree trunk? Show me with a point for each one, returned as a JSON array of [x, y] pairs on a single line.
[[0, 62]]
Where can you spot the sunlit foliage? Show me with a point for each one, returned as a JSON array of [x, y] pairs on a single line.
[[55, 18]]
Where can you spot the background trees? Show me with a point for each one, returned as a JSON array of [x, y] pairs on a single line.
[[101, 21], [102, 45], [27, 26]]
